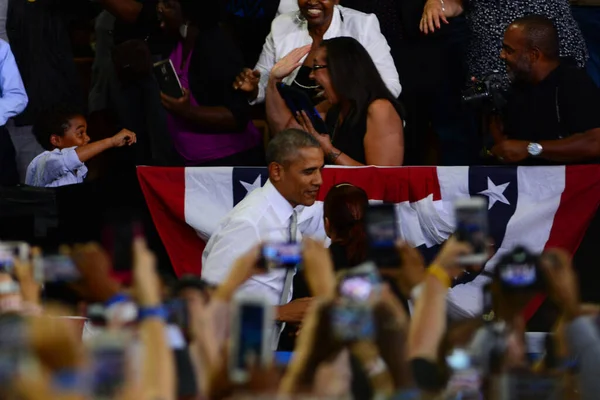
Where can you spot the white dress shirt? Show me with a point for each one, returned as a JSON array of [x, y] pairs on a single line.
[[264, 215], [286, 6], [56, 168], [288, 32]]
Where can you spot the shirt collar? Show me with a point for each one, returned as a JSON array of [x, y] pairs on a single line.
[[336, 24], [283, 209]]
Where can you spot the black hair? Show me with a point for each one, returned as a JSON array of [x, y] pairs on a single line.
[[53, 121], [286, 144], [202, 14], [355, 77], [540, 33]]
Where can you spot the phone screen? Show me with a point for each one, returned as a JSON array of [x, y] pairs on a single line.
[[282, 255], [13, 346], [59, 268], [352, 322], [472, 227], [250, 336], [177, 311], [6, 260], [382, 232], [518, 275], [109, 367]]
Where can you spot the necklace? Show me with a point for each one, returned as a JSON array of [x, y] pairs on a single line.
[[305, 87]]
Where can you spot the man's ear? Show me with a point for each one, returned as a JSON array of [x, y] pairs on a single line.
[[275, 171], [535, 54], [55, 140]]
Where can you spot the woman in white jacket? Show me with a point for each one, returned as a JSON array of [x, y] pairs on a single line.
[[315, 21]]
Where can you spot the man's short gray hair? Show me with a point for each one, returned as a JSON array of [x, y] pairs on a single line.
[[284, 146]]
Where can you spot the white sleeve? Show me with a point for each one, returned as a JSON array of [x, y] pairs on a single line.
[[379, 50], [225, 246], [265, 63]]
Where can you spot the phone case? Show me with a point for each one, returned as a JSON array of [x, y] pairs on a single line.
[[167, 79]]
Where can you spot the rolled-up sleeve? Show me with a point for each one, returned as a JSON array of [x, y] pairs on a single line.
[[14, 98], [265, 63], [379, 50], [50, 167]]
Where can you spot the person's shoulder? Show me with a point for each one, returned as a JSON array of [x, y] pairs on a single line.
[[285, 24], [250, 210], [357, 19], [381, 108], [574, 75]]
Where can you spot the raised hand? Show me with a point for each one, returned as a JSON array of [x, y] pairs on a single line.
[[289, 63]]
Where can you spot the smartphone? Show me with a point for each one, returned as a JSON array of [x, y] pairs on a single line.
[[167, 79], [526, 385], [361, 285], [465, 380], [472, 227], [297, 101], [382, 234], [117, 240], [56, 268], [109, 364], [352, 321], [177, 313], [519, 271], [13, 347], [251, 337], [11, 250], [281, 255]]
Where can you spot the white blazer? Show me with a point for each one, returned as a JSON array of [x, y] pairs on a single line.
[[288, 32]]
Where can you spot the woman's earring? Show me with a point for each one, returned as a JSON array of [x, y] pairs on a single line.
[[299, 17]]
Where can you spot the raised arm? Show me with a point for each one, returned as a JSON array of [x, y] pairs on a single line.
[[279, 115]]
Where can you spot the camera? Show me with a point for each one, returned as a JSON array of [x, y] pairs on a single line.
[[487, 92], [519, 271]]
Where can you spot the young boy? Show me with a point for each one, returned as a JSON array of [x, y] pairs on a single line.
[[63, 133]]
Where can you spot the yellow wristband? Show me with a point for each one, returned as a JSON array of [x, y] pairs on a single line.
[[441, 274]]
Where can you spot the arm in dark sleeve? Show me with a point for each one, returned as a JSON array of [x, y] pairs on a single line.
[[215, 64]]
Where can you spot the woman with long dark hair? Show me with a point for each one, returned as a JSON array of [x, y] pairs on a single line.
[[344, 209], [365, 125]]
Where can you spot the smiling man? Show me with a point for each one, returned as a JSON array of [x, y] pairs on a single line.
[[552, 111], [281, 211]]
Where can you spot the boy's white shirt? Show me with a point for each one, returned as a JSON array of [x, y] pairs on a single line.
[[56, 168]]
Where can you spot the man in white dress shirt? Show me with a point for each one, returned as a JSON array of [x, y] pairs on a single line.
[[271, 213]]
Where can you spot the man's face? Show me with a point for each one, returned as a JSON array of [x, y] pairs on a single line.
[[516, 54], [300, 179]]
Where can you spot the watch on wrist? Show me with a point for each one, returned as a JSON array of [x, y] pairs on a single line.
[[534, 149]]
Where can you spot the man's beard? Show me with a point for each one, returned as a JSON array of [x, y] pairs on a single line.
[[520, 71]]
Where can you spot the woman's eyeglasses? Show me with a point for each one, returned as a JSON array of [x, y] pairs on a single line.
[[317, 67]]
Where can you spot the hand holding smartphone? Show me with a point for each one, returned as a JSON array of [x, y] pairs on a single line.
[[250, 337]]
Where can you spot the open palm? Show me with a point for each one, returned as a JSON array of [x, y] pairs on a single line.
[[290, 62]]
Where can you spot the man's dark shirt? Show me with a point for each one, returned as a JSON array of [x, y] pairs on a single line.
[[40, 41], [565, 103]]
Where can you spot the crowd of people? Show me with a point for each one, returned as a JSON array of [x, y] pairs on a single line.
[[293, 300]]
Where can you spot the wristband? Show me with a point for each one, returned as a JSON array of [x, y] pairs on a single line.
[[116, 299], [68, 380], [441, 274], [152, 312]]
